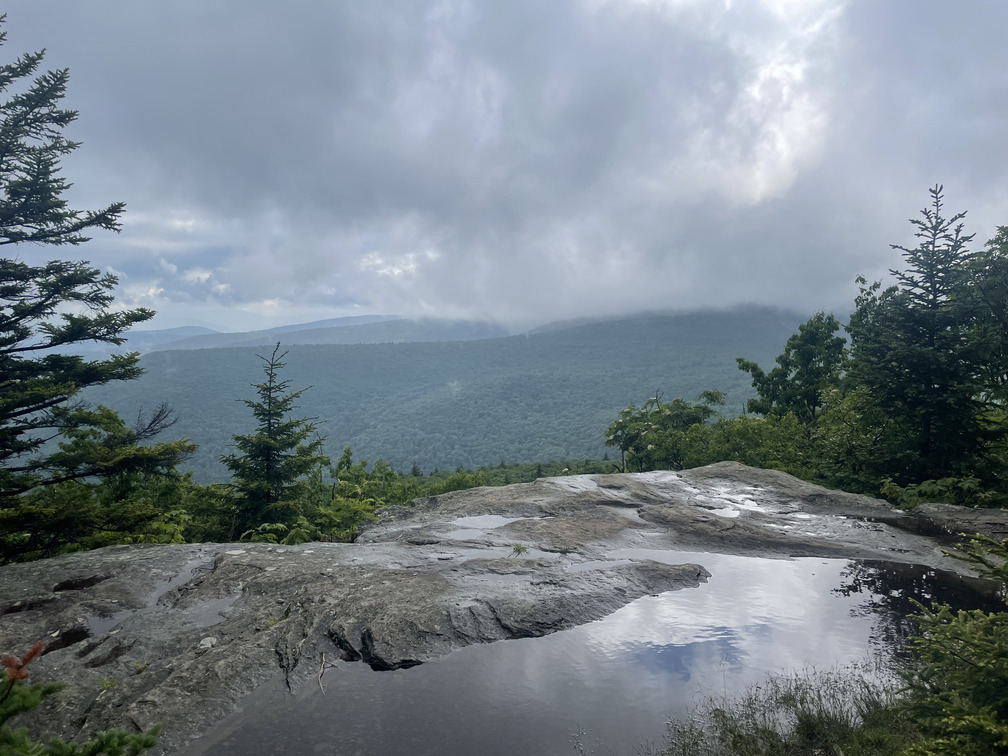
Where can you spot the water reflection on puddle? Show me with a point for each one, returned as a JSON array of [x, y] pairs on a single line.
[[618, 678], [475, 527]]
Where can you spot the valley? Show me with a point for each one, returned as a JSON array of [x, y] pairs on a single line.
[[546, 395]]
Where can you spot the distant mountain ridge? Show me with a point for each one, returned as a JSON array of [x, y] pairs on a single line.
[[359, 329]]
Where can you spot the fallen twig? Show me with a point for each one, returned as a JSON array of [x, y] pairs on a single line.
[[325, 665]]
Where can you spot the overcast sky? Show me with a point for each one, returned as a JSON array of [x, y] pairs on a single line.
[[526, 160]]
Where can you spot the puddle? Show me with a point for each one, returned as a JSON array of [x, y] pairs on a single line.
[[102, 624], [484, 522], [210, 612], [465, 534], [476, 526], [618, 678]]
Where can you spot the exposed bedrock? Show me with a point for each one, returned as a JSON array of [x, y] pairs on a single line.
[[180, 634]]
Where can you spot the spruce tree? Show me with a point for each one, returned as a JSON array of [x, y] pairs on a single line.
[[47, 308], [269, 466], [914, 347]]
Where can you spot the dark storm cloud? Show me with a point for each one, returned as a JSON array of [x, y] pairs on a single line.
[[521, 160]]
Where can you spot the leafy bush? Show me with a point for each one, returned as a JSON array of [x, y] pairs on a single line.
[[772, 442], [966, 491], [653, 436]]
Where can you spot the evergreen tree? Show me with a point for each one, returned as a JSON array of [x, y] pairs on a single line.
[[914, 348], [270, 464], [47, 308], [989, 285]]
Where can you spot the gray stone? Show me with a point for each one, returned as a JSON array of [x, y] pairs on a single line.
[[180, 634]]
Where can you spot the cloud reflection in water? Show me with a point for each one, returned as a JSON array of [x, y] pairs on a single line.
[[618, 678]]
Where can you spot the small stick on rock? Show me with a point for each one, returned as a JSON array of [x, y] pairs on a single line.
[[322, 669]]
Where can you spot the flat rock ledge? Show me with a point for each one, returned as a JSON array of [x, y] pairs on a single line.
[[181, 634]]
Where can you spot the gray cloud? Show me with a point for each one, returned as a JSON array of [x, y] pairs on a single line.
[[521, 160]]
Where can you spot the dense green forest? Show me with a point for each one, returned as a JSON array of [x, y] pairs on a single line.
[[544, 396]]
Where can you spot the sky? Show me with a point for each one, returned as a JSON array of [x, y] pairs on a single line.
[[520, 161]]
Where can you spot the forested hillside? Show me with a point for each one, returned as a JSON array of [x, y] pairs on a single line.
[[546, 395]]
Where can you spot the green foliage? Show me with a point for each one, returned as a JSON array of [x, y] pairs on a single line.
[[989, 277], [914, 410], [677, 435], [772, 442], [301, 531], [276, 532], [534, 398], [17, 698], [527, 472], [851, 711], [32, 208], [652, 436], [15, 741], [126, 508], [45, 311], [357, 492], [962, 491], [915, 349], [958, 690], [813, 359], [270, 464], [39, 384], [855, 442], [988, 556], [335, 502], [460, 480], [55, 305]]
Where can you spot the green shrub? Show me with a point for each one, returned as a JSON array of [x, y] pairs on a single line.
[[958, 689], [851, 711], [18, 698]]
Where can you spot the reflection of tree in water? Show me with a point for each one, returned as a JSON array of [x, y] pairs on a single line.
[[890, 588]]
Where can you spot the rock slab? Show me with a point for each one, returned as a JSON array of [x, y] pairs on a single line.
[[178, 635]]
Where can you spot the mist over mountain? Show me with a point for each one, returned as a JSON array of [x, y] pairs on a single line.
[[363, 329], [538, 396], [147, 341]]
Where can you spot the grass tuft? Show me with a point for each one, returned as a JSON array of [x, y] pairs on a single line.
[[853, 711]]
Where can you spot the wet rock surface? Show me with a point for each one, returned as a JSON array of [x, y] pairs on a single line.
[[180, 634]]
